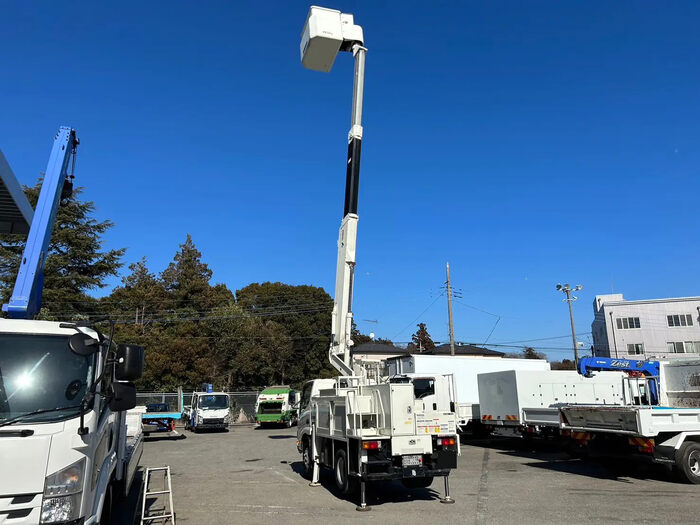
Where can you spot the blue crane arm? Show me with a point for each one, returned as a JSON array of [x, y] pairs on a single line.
[[587, 365], [25, 302]]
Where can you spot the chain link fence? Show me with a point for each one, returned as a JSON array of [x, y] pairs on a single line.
[[242, 404]]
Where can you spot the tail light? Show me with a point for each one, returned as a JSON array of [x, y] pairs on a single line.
[[445, 441], [371, 445], [172, 424]]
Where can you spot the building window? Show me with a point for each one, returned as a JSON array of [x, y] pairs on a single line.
[[635, 348], [628, 322], [680, 320], [687, 347]]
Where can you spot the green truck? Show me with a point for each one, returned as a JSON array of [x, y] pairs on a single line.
[[277, 405]]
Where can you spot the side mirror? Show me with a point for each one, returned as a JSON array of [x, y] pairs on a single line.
[[129, 365], [82, 344], [123, 397]]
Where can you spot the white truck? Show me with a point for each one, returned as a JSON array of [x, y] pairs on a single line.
[[464, 371], [66, 451], [367, 432], [660, 419], [66, 454], [362, 428], [208, 411], [529, 400]]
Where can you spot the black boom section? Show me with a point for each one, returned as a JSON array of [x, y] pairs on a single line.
[[352, 176]]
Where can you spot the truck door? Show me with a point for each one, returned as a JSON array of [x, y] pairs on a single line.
[[304, 403]]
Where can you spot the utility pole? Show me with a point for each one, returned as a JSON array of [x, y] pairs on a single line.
[[449, 311], [569, 299]]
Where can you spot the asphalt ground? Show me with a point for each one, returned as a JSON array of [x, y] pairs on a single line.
[[253, 476]]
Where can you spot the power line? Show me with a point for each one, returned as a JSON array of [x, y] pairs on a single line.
[[419, 315]]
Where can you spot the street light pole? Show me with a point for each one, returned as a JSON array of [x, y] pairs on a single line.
[[569, 299]]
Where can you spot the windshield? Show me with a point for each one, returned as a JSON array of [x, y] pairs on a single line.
[[213, 402], [39, 372]]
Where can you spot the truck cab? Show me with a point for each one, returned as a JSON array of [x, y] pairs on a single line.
[[65, 449], [208, 410]]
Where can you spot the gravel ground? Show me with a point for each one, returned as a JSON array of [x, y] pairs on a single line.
[[252, 476]]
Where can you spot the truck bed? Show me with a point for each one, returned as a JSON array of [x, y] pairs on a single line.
[[643, 421]]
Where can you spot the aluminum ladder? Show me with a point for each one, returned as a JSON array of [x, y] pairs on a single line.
[[167, 514]]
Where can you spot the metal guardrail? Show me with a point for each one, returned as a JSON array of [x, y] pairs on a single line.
[[242, 403]]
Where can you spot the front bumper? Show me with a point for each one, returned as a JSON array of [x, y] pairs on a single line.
[[212, 423]]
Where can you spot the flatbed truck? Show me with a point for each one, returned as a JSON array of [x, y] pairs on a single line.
[[663, 426]]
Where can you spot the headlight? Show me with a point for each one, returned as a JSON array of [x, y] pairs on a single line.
[[227, 418], [199, 418], [63, 494]]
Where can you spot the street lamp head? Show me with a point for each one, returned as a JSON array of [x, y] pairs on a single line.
[[326, 32], [579, 287], [558, 286], [566, 286]]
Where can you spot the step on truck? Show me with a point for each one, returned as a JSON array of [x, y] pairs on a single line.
[[277, 405], [660, 419], [364, 429], [66, 449]]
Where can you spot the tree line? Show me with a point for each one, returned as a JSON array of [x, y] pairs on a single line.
[[193, 331]]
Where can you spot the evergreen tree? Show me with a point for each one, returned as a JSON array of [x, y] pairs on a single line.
[[421, 339], [76, 262]]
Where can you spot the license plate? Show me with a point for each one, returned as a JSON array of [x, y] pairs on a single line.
[[412, 461]]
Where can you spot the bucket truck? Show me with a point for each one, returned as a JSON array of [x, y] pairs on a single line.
[[364, 430], [66, 452]]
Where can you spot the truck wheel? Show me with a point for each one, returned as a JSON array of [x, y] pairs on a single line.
[[343, 481], [106, 516], [306, 459], [288, 423], [417, 483], [688, 461]]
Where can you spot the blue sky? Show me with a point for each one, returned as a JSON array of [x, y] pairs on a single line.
[[526, 143]]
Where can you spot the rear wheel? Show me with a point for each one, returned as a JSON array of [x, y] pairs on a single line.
[[688, 462], [306, 459], [417, 483], [343, 481], [288, 423]]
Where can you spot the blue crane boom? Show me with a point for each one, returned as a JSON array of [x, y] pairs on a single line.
[[25, 302], [651, 369]]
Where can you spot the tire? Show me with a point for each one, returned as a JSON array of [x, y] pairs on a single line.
[[417, 483], [688, 462], [288, 423], [307, 462], [345, 483], [106, 515]]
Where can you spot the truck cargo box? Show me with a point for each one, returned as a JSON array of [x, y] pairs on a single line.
[[524, 397]]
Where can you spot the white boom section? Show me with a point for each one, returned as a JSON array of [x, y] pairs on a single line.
[[341, 322]]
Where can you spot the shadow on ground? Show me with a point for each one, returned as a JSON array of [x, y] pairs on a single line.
[[377, 492], [555, 456]]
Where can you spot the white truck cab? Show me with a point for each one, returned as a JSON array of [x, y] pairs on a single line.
[[208, 410], [65, 452]]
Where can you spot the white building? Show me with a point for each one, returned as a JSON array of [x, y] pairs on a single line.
[[654, 328]]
